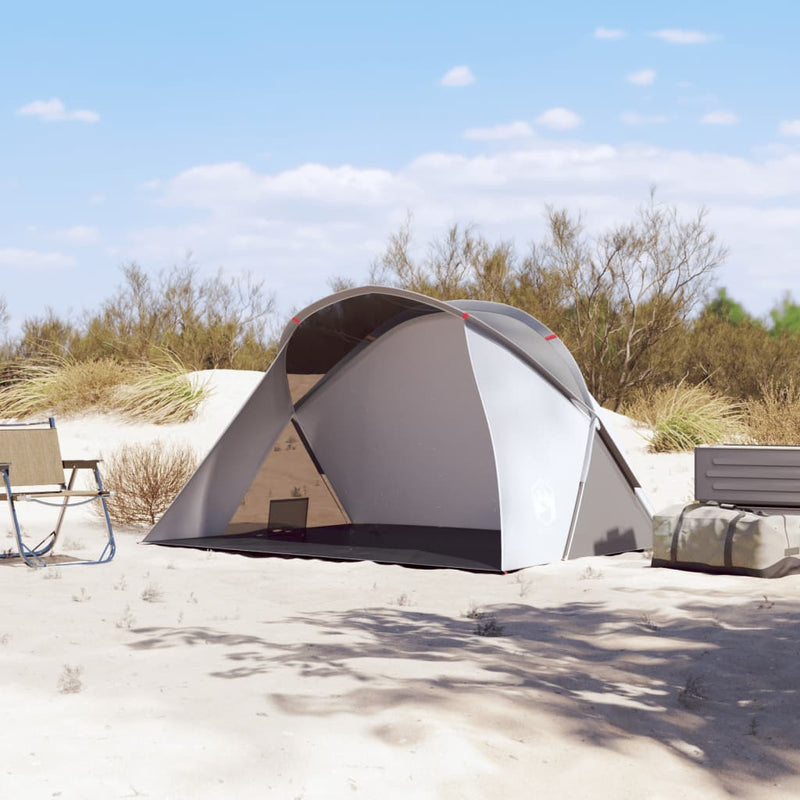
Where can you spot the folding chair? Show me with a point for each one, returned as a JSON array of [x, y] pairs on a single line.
[[32, 469]]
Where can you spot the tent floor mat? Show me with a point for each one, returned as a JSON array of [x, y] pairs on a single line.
[[396, 544]]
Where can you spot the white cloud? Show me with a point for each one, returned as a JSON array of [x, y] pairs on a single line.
[[644, 77], [78, 234], [790, 127], [296, 228], [458, 76], [513, 130], [54, 110], [609, 33], [635, 118], [719, 118], [559, 119], [33, 260], [681, 36]]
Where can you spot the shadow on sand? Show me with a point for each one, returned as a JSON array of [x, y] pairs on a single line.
[[716, 685]]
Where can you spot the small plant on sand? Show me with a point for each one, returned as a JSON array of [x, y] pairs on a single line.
[[127, 620], [693, 693], [69, 682], [523, 582], [402, 600], [82, 597], [489, 626], [766, 603], [5, 638], [646, 621], [473, 611], [145, 478], [591, 574], [152, 593], [681, 417], [52, 574], [121, 585]]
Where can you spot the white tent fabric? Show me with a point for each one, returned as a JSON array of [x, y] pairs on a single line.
[[450, 434]]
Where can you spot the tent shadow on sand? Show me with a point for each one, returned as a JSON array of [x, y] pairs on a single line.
[[715, 686]]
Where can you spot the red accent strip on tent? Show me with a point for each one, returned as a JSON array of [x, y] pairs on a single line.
[[295, 320], [551, 337], [465, 315]]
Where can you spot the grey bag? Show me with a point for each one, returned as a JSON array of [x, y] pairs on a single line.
[[707, 537]]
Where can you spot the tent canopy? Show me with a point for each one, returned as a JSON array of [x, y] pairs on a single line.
[[399, 428]]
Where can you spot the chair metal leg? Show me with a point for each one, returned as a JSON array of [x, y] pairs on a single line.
[[33, 556]]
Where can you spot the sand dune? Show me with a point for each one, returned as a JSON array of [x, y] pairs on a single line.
[[206, 675]]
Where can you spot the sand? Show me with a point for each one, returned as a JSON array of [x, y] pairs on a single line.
[[208, 675]]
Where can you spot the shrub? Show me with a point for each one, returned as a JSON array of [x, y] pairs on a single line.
[[145, 479], [682, 417], [774, 417], [736, 360]]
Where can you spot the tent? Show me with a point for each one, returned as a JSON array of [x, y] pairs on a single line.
[[403, 429]]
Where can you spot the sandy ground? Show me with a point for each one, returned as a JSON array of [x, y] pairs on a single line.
[[206, 675]]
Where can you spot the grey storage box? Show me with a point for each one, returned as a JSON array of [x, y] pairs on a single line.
[[748, 476], [712, 538]]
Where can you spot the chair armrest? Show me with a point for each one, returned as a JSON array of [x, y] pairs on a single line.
[[80, 463]]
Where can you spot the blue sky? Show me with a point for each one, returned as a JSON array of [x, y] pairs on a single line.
[[289, 140]]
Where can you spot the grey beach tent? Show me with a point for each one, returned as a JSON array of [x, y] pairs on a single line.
[[398, 428]]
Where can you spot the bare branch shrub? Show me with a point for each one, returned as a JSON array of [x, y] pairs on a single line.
[[145, 479], [620, 299], [217, 322]]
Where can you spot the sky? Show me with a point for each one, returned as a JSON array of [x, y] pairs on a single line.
[[287, 141]]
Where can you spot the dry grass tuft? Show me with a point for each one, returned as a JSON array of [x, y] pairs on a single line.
[[774, 418], [144, 391], [145, 479], [160, 394], [59, 386], [682, 417], [69, 682]]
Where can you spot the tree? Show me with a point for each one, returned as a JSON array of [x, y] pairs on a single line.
[[785, 317], [727, 309], [620, 299], [621, 296], [462, 263], [207, 323]]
